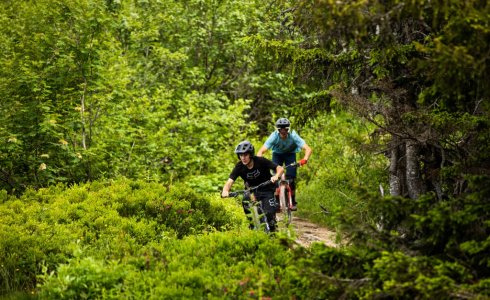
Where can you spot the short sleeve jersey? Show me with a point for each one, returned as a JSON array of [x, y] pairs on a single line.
[[292, 144], [261, 171]]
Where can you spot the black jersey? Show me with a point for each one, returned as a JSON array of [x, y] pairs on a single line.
[[260, 172]]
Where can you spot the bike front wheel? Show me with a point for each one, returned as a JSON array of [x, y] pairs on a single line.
[[286, 202], [282, 198], [289, 211], [259, 219]]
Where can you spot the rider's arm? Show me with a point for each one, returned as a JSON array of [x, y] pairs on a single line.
[[279, 171], [308, 151], [268, 144], [261, 151], [227, 187]]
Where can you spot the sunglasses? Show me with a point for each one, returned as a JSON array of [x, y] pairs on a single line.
[[279, 128]]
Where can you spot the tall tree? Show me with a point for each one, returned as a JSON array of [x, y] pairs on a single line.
[[419, 71]]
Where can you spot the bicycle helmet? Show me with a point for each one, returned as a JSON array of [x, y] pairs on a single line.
[[283, 123], [244, 147]]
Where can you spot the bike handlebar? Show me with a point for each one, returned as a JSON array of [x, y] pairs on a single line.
[[254, 188], [251, 189]]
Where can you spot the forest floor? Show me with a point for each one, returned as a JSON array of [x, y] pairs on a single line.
[[308, 233]]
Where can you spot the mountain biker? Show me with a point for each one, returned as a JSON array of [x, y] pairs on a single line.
[[254, 171], [285, 145]]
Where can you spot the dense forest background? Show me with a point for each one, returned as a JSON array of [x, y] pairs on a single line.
[[119, 120]]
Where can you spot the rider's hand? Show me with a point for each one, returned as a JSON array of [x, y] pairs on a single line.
[[303, 162], [274, 178], [224, 194]]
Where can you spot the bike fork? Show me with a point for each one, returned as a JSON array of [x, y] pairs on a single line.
[[259, 218]]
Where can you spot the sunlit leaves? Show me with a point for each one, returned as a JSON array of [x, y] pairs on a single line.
[[116, 88]]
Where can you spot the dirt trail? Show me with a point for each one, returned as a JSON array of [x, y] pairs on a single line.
[[308, 232]]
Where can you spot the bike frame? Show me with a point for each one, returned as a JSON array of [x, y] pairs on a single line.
[[285, 198], [285, 195], [257, 213]]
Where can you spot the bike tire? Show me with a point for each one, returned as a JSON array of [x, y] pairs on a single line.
[[255, 217], [283, 200], [259, 219], [290, 204]]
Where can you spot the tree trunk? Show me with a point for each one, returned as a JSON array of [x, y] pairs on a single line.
[[395, 182], [414, 181]]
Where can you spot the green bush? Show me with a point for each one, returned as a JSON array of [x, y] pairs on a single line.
[[131, 239], [338, 163], [239, 264], [110, 219], [401, 276], [429, 247]]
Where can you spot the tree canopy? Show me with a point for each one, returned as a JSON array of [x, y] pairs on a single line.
[[418, 70]]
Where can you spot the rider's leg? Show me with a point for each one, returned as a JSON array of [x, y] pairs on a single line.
[[278, 158], [269, 207], [246, 209], [271, 220]]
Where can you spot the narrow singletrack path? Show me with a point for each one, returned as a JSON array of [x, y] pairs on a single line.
[[308, 232]]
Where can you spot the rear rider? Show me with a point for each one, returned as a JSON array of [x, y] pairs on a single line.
[[254, 171], [285, 145]]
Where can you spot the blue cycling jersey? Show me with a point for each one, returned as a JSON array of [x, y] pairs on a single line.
[[292, 144]]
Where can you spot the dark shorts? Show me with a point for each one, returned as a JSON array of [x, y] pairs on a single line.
[[286, 159]]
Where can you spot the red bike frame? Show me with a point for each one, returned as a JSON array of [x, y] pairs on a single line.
[[285, 196]]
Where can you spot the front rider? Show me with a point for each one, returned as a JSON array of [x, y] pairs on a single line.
[[254, 171], [285, 145]]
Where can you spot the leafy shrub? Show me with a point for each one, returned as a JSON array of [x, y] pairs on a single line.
[[236, 264], [86, 278], [430, 247], [110, 219], [338, 163], [401, 276]]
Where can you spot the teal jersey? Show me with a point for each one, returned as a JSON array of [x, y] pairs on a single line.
[[292, 144]]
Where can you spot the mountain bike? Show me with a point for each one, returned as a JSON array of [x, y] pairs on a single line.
[[257, 214], [285, 196]]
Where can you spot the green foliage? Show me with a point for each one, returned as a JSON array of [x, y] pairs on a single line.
[[237, 264], [110, 219], [338, 163], [53, 95], [430, 247], [405, 277], [87, 278], [145, 90], [404, 67], [417, 71], [161, 92], [133, 239]]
